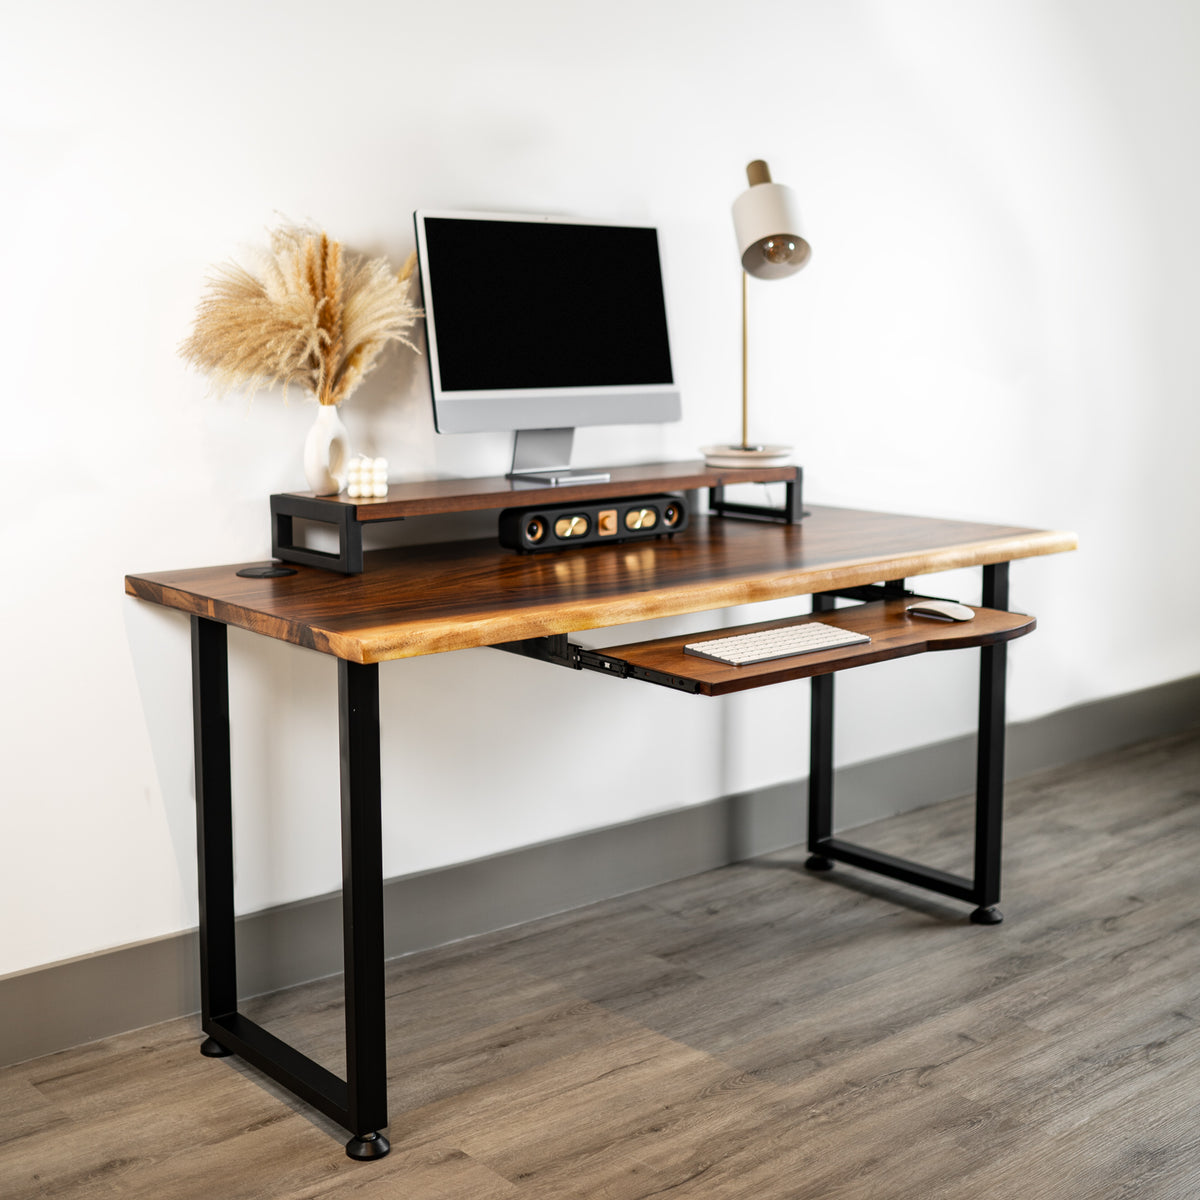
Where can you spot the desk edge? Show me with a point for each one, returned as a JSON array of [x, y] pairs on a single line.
[[453, 633]]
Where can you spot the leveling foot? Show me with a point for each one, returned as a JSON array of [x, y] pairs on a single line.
[[987, 916], [370, 1145]]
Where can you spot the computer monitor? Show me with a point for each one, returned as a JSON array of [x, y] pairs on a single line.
[[541, 324]]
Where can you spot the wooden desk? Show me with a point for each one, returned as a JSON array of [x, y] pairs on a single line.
[[429, 599], [451, 596]]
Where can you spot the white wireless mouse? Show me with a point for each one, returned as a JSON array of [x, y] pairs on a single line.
[[947, 610]]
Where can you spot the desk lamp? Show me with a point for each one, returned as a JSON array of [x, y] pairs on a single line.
[[766, 219]]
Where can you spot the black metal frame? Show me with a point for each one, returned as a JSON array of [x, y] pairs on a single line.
[[983, 890], [359, 1102], [285, 508], [791, 513]]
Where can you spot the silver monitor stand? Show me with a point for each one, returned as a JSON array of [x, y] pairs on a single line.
[[542, 456]]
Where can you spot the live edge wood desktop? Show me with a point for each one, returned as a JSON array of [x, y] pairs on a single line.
[[429, 599]]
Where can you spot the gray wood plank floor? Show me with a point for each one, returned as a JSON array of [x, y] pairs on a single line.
[[751, 1032]]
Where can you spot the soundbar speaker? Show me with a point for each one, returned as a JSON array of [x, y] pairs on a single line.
[[557, 526]]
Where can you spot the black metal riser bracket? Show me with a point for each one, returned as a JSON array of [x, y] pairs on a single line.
[[792, 512]]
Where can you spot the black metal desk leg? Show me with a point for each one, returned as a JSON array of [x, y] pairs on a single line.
[[820, 764], [983, 890], [989, 770], [214, 827], [362, 908], [359, 1102]]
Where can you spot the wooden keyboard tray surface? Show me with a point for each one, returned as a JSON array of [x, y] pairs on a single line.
[[893, 633]]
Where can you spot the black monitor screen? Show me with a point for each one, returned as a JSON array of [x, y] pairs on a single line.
[[539, 304]]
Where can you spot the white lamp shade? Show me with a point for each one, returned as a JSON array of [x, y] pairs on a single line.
[[766, 219]]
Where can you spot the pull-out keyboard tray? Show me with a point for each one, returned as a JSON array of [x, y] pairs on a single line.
[[894, 633]]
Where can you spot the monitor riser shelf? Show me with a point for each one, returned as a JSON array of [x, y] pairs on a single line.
[[441, 496]]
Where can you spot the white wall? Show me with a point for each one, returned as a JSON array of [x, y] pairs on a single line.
[[997, 324]]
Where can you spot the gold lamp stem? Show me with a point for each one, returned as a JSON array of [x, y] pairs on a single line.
[[745, 372]]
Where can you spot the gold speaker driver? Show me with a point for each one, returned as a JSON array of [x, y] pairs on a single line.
[[641, 518], [571, 527]]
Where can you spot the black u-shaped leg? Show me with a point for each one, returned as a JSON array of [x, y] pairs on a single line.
[[359, 1102], [983, 890]]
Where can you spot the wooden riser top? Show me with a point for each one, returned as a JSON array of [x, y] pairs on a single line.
[[427, 497], [893, 633], [451, 596]]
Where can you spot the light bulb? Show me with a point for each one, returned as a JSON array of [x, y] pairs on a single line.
[[778, 249]]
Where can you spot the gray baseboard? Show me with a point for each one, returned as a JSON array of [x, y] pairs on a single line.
[[64, 1004]]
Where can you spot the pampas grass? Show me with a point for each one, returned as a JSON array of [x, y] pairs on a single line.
[[308, 315]]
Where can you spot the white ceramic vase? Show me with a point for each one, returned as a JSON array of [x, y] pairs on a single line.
[[326, 452]]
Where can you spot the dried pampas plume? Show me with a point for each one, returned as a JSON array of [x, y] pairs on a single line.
[[308, 315]]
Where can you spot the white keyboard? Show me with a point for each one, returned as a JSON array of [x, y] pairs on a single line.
[[745, 648]]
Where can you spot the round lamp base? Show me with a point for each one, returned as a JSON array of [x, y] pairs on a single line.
[[745, 456]]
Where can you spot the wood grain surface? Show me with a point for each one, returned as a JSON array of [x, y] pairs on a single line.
[[893, 633], [475, 495], [451, 596], [752, 1033]]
